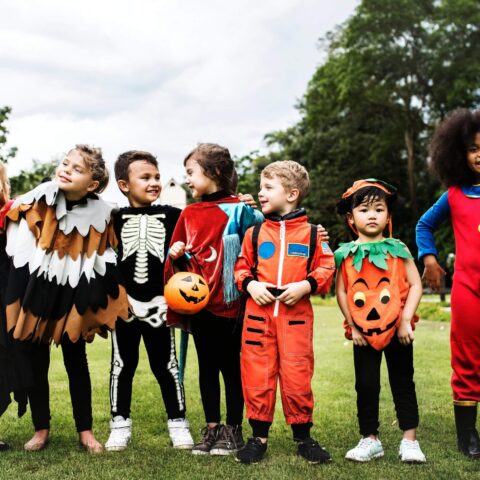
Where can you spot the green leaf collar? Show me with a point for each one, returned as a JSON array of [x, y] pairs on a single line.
[[376, 252]]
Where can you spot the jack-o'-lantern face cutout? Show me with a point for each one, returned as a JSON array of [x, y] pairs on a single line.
[[186, 293], [374, 303]]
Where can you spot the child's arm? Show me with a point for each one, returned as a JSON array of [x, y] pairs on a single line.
[[427, 251], [244, 278], [341, 292], [405, 332], [318, 280]]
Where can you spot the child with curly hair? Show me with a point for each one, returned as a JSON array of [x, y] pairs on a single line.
[[455, 158]]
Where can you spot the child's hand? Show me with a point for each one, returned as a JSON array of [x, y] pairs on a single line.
[[357, 338], [322, 231], [294, 292], [178, 249], [259, 293], [433, 272], [405, 332], [248, 199]]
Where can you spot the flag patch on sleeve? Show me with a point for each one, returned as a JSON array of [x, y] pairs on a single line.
[[326, 248]]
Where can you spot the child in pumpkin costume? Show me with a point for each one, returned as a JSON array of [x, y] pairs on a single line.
[[378, 290]]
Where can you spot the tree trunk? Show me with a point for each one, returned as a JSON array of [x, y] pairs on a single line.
[[411, 172]]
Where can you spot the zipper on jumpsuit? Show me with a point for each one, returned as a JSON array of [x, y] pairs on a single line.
[[280, 264]]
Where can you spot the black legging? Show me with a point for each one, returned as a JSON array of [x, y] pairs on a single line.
[[400, 373], [160, 346], [75, 360], [218, 340]]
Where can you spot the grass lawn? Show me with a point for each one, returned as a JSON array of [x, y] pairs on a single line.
[[150, 456]]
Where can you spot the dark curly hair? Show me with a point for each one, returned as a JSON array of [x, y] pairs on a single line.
[[450, 144], [217, 164]]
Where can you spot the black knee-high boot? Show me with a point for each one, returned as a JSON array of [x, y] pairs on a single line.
[[467, 435]]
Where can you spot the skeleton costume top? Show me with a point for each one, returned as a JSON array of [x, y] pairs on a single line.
[[143, 238], [63, 276]]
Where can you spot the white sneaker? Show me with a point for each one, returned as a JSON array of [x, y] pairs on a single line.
[[366, 450], [120, 434], [179, 431], [410, 452]]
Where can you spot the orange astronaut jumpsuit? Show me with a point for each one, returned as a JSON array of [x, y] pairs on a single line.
[[277, 339]]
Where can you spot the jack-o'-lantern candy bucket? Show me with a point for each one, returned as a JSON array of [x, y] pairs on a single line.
[[186, 293]]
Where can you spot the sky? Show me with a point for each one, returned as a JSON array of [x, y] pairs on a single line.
[[156, 75]]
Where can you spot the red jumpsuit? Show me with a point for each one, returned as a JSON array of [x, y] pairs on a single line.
[[465, 327], [277, 339]]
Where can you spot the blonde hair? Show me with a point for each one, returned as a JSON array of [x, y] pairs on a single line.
[[4, 185], [95, 162], [291, 174]]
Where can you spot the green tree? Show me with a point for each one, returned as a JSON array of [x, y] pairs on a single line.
[[28, 179], [392, 71], [5, 154]]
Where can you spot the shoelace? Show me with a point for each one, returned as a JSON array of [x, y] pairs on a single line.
[[411, 445], [365, 442]]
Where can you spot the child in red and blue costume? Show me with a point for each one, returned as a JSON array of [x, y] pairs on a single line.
[[207, 240], [455, 157]]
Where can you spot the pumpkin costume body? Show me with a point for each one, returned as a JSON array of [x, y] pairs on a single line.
[[462, 206], [376, 289], [277, 339], [376, 285], [63, 285]]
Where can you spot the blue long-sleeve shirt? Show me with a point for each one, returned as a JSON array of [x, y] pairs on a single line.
[[427, 225], [433, 217]]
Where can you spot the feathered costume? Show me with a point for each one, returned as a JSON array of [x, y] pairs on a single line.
[[15, 372], [63, 276]]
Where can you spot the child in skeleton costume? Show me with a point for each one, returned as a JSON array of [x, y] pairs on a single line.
[[378, 290], [212, 230], [455, 158], [63, 282], [15, 369], [144, 232]]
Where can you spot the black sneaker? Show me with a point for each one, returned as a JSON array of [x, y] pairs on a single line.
[[209, 436], [4, 446], [252, 452], [311, 451], [229, 440]]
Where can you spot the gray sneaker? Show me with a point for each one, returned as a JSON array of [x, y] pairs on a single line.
[[229, 440], [209, 436]]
